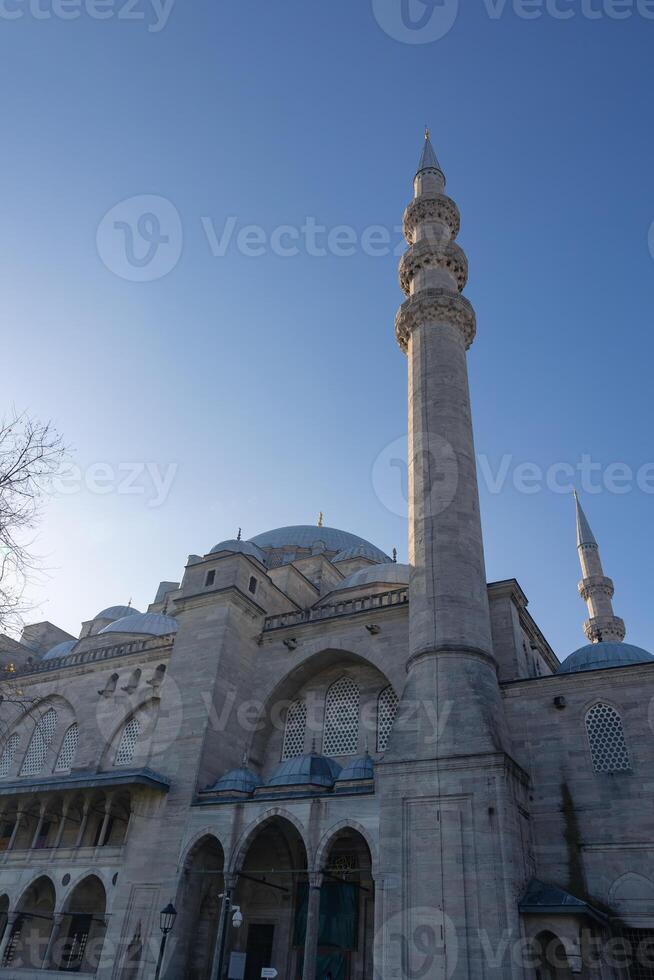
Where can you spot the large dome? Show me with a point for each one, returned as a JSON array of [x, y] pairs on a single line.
[[313, 539], [599, 656], [147, 624]]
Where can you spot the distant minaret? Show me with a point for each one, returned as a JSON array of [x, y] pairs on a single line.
[[595, 588]]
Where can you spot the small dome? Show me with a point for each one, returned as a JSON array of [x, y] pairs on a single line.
[[599, 656], [240, 547], [149, 624], [60, 650], [241, 780], [387, 574], [314, 539], [116, 612], [305, 770], [360, 768]]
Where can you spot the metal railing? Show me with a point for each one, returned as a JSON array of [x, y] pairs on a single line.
[[332, 610]]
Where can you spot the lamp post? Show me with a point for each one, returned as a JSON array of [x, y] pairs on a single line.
[[167, 918], [237, 920]]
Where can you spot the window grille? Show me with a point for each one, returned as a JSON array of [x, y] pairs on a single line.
[[341, 735], [68, 749], [608, 748], [9, 754], [128, 741], [386, 711], [44, 730], [294, 732]]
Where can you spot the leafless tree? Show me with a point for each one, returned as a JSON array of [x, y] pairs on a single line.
[[31, 452]]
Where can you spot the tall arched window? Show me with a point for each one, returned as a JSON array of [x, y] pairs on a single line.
[[9, 754], [386, 711], [341, 735], [45, 727], [128, 741], [608, 748], [68, 749], [294, 731]]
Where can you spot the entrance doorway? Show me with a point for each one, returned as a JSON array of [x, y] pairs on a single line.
[[259, 949]]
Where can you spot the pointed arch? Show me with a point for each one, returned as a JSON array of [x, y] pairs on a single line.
[[295, 730], [387, 705], [606, 739], [342, 706], [68, 749], [37, 750], [128, 740]]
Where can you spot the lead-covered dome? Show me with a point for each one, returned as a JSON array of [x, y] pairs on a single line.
[[148, 624], [305, 770], [60, 650], [242, 780], [305, 539], [116, 612], [387, 574], [240, 547], [600, 656]]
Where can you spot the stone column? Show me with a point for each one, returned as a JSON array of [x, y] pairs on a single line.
[[313, 925], [39, 825], [65, 806], [57, 921], [83, 824], [105, 820], [12, 839], [230, 882]]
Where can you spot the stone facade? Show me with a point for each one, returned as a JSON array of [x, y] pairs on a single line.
[[377, 770]]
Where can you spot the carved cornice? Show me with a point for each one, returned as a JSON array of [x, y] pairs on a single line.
[[435, 306], [422, 209], [424, 254]]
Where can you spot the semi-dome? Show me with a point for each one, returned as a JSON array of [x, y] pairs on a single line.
[[148, 624], [116, 612], [359, 551], [305, 770], [240, 547], [241, 780], [358, 769], [314, 539], [60, 650], [600, 656], [391, 573]]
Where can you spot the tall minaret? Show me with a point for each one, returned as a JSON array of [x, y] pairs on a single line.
[[595, 588], [448, 612]]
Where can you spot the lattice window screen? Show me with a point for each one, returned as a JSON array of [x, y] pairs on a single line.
[[386, 711], [341, 735], [68, 749], [44, 730], [294, 733], [9, 755], [128, 741], [608, 748]]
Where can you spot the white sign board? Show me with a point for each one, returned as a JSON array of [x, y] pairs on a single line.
[[236, 966], [269, 971]]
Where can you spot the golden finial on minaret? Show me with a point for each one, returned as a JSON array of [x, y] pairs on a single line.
[[321, 519], [427, 133]]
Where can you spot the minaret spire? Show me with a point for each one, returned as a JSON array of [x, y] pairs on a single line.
[[595, 588]]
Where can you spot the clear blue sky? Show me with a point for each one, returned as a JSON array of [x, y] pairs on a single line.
[[273, 383]]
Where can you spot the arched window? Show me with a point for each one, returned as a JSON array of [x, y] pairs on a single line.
[[44, 730], [68, 749], [608, 748], [128, 741], [386, 711], [341, 735], [9, 754], [294, 732]]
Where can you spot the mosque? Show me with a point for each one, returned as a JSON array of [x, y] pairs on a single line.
[[306, 760]]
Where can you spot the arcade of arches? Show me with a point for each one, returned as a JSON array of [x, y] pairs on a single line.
[[293, 919]]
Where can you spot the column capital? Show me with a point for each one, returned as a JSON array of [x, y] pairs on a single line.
[[316, 879]]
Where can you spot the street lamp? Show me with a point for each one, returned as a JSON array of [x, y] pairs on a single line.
[[167, 918]]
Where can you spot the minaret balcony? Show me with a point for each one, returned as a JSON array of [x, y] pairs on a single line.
[[604, 629], [435, 306], [596, 585], [431, 210], [447, 256]]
